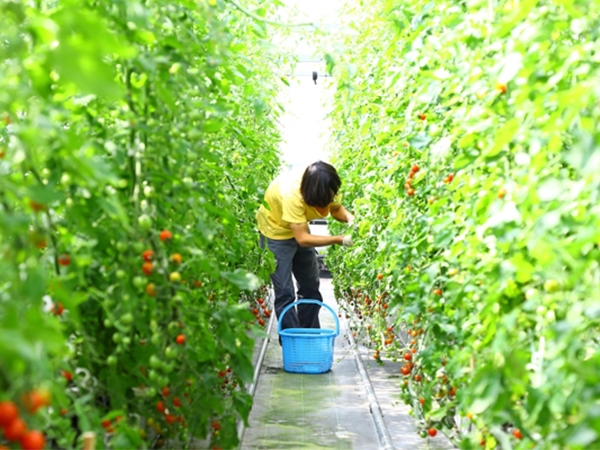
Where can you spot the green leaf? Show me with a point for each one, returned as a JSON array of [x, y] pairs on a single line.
[[504, 136], [213, 125], [244, 280], [583, 436], [420, 141], [524, 269]]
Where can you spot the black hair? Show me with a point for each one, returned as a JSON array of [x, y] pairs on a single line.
[[320, 183]]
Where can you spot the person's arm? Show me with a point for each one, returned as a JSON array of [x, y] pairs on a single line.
[[341, 214], [305, 239]]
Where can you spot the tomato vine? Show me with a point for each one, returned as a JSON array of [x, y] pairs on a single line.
[[489, 252]]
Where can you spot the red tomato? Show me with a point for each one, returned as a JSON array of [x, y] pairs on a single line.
[[8, 413], [147, 268], [64, 260], [165, 391], [151, 289], [160, 407], [57, 309], [15, 430], [181, 339], [33, 440], [432, 432], [68, 375], [414, 169], [517, 433], [165, 235], [34, 400], [148, 255], [411, 192], [170, 419], [408, 356]]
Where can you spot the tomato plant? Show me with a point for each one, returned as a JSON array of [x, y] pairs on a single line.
[[128, 132], [490, 249]]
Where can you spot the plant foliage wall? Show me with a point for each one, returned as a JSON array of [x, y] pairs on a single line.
[[467, 137], [128, 134]]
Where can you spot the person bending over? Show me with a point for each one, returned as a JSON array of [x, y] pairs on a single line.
[[293, 201]]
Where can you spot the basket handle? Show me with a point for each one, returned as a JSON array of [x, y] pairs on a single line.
[[314, 302]]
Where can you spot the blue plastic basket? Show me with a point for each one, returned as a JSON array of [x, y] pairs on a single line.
[[307, 350]]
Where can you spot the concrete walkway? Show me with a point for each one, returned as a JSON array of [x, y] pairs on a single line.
[[339, 410]]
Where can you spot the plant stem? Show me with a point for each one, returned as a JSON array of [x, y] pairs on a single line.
[[271, 22]]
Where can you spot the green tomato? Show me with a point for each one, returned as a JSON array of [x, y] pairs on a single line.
[[145, 222], [153, 325], [173, 326], [155, 362], [117, 338], [153, 375], [551, 286], [122, 246], [121, 274], [126, 341], [168, 368], [531, 292], [138, 247], [107, 323], [127, 319], [151, 392], [155, 339], [149, 191], [139, 282], [171, 353], [111, 361], [65, 180]]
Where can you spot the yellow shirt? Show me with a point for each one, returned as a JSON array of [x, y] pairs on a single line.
[[287, 206]]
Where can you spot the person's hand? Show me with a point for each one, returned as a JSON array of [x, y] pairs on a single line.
[[347, 242]]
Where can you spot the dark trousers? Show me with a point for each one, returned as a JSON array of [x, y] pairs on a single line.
[[302, 263]]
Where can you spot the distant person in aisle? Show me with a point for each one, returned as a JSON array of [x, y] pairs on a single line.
[[293, 201]]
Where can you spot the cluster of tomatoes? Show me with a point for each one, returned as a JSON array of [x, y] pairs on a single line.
[[169, 408], [261, 311], [148, 265], [408, 185], [359, 307], [14, 429]]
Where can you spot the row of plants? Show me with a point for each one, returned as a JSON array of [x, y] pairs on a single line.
[[467, 139], [131, 279]]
